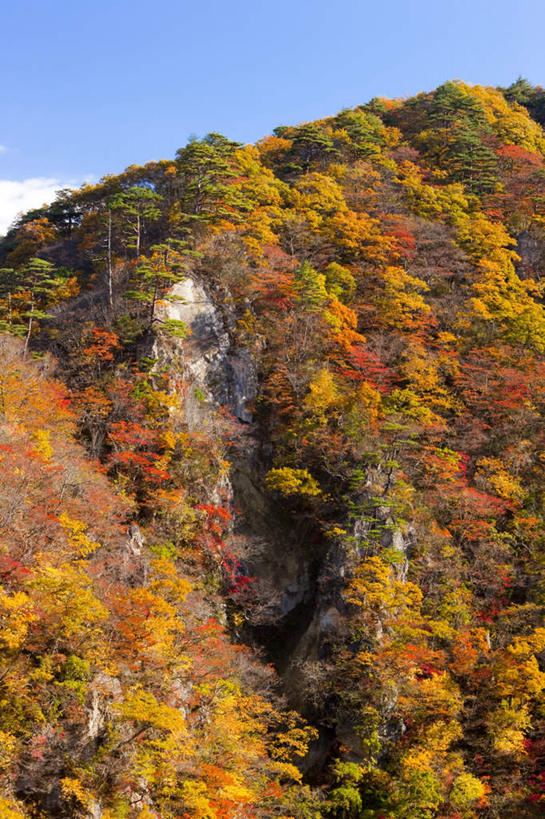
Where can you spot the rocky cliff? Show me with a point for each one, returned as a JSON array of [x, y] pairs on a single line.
[[297, 611]]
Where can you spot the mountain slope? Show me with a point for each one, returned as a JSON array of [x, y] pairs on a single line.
[[314, 369]]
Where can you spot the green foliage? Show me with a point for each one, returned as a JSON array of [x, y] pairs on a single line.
[[205, 172], [310, 288], [532, 98], [26, 295], [311, 147], [365, 131], [137, 206], [345, 800], [339, 282]]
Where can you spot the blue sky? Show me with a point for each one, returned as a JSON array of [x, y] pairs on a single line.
[[91, 86]]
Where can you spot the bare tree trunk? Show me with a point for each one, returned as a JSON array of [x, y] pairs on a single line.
[[138, 235], [29, 330], [110, 288], [152, 306]]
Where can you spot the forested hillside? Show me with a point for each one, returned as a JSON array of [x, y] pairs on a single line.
[[272, 494]]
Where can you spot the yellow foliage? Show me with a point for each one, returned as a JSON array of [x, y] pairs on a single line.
[[42, 443], [440, 695], [159, 402], [237, 793], [375, 589], [420, 760], [322, 394], [518, 673], [16, 615], [336, 531], [290, 481], [408, 403], [359, 234], [166, 581], [400, 298], [359, 181], [466, 791], [502, 482], [75, 529], [67, 290], [258, 184], [65, 597], [421, 369], [371, 401], [501, 297], [143, 707], [9, 810], [161, 624], [257, 230], [257, 181], [509, 120], [320, 193], [342, 318], [431, 202], [146, 813], [482, 238], [73, 788], [422, 199], [440, 736], [508, 725], [271, 147], [441, 629], [196, 800], [339, 281], [27, 399], [8, 744]]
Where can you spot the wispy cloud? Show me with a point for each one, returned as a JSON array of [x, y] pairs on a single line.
[[3, 149], [18, 197]]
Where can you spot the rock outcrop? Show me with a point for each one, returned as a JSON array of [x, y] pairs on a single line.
[[219, 373], [298, 611]]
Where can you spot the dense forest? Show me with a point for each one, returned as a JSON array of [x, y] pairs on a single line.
[[272, 494]]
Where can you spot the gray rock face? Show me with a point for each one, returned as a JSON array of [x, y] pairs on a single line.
[[95, 811], [218, 373], [531, 251], [299, 611]]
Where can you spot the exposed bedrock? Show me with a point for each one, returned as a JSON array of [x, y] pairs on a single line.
[[298, 612]]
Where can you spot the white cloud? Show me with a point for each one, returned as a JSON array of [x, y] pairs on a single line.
[[18, 197], [3, 149]]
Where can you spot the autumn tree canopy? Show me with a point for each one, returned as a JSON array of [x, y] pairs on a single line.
[[382, 272]]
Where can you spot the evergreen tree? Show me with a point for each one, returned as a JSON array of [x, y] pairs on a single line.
[[531, 97], [311, 147], [205, 171], [136, 206], [26, 295]]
